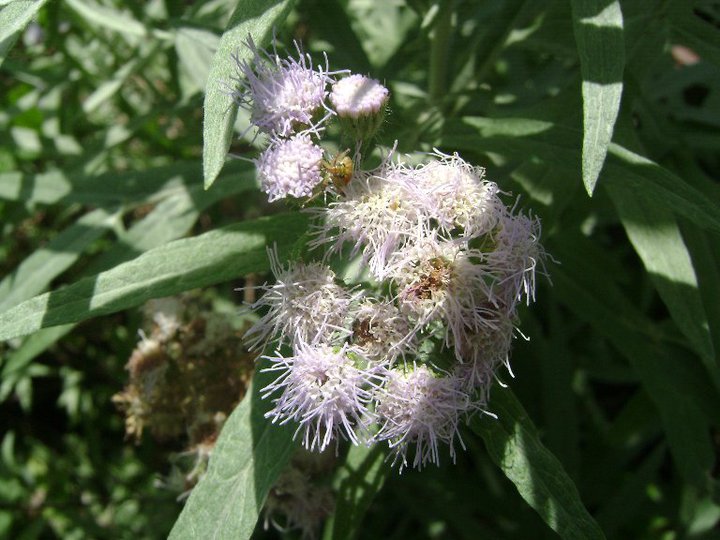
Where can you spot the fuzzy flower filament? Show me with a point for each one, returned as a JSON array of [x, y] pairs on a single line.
[[283, 95], [326, 390]]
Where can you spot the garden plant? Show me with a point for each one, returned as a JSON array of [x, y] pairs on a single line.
[[357, 269]]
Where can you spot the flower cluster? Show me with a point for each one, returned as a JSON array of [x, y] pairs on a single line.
[[288, 101], [407, 354]]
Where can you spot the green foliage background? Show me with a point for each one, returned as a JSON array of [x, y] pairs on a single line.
[[115, 117]]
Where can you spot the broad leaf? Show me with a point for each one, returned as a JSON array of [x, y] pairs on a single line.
[[514, 445], [252, 18], [214, 257], [248, 457], [598, 26]]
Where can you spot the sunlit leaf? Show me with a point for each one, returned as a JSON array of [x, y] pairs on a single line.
[[598, 26], [655, 234], [204, 260], [252, 18], [514, 445], [15, 16], [248, 456]]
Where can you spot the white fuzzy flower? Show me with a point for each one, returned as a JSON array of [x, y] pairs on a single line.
[[376, 217], [324, 389], [357, 96], [418, 407], [516, 257], [441, 280], [305, 302], [457, 197], [482, 353], [290, 167], [283, 95], [381, 331]]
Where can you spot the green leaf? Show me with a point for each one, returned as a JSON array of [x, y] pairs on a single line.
[[677, 385], [249, 455], [598, 26], [356, 483], [514, 445], [195, 48], [39, 269], [214, 257], [147, 185], [655, 234], [169, 220], [113, 19], [254, 18], [649, 180], [15, 17]]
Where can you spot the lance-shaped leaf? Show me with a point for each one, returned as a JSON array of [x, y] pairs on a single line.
[[15, 17], [514, 445], [255, 18], [357, 482], [656, 237], [214, 257], [598, 26], [249, 455]]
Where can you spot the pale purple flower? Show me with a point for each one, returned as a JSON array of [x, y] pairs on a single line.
[[283, 95], [381, 331], [376, 217], [327, 390], [441, 281], [482, 353], [456, 196], [305, 302], [358, 95], [419, 408], [290, 167], [516, 257]]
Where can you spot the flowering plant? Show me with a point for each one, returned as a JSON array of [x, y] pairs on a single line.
[[473, 242]]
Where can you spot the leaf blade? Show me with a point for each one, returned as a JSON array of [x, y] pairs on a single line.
[[514, 445], [15, 17], [210, 258], [255, 18], [657, 240], [598, 32], [249, 455]]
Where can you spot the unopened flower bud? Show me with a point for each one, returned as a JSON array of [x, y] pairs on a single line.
[[360, 103]]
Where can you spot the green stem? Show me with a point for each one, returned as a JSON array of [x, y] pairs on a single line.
[[439, 46]]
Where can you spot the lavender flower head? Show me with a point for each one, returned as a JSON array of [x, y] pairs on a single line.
[[325, 389], [457, 196], [418, 407], [377, 216], [304, 302], [444, 263], [283, 95], [290, 167]]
